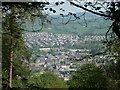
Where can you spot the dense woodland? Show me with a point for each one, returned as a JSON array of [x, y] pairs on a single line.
[[16, 57]]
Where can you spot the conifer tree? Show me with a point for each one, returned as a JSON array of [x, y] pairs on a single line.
[[15, 56], [14, 51]]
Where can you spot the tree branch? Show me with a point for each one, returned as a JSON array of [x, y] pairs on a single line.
[[89, 10]]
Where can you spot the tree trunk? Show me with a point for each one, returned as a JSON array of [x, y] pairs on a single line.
[[11, 65]]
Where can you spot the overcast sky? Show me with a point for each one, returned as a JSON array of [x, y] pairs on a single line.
[[66, 6], [73, 0], [51, 0]]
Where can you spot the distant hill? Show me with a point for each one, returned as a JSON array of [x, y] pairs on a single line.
[[94, 23]]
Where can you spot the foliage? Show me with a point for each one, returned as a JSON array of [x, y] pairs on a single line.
[[46, 80], [14, 51], [115, 46], [13, 42], [89, 76], [112, 69], [52, 51], [15, 54]]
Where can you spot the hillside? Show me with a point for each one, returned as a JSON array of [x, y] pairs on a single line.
[[94, 23]]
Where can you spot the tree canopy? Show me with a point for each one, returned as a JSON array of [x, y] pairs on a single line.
[[15, 56], [88, 76], [47, 80]]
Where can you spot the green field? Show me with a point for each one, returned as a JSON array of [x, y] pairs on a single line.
[[99, 26], [94, 25]]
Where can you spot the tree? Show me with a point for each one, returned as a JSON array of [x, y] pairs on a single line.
[[89, 76], [46, 80], [111, 11], [112, 68], [15, 55], [14, 52]]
